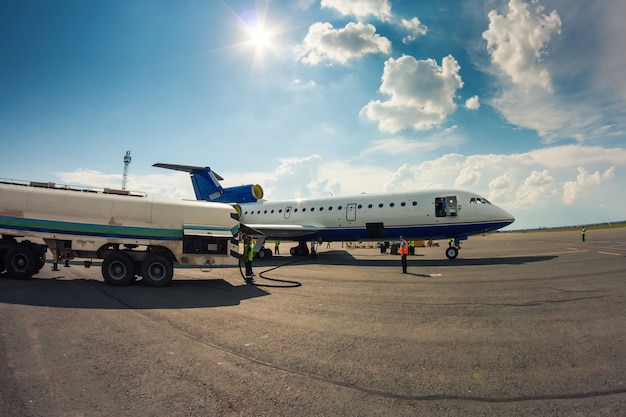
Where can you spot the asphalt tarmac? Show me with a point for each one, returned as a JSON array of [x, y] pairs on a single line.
[[521, 324]]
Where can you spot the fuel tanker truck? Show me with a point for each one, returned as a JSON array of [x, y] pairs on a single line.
[[133, 234]]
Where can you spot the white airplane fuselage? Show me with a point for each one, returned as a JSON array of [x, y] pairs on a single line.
[[418, 215]]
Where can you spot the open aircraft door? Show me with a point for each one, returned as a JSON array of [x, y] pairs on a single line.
[[451, 205], [446, 206]]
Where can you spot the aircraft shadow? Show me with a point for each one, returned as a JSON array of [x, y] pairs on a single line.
[[92, 294], [345, 258]]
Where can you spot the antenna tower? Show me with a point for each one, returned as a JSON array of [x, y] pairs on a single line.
[[126, 164]]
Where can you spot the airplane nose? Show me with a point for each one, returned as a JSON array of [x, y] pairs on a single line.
[[507, 217]]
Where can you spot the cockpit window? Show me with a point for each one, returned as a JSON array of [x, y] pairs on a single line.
[[479, 200]]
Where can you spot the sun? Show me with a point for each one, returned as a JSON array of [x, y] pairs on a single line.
[[259, 37]]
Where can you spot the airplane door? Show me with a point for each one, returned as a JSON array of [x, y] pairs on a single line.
[[446, 206], [451, 206], [287, 212], [351, 212]]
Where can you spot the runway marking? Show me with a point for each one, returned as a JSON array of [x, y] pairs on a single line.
[[435, 275], [610, 253]]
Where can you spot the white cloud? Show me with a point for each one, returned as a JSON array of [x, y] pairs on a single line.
[[323, 43], [472, 103], [415, 28], [564, 85], [517, 41], [585, 181], [361, 9], [421, 94]]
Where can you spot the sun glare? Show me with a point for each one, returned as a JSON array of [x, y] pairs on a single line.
[[260, 37]]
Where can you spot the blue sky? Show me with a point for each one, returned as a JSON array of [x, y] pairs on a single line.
[[521, 101]]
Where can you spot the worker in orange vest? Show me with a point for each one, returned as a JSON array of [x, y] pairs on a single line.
[[404, 251]]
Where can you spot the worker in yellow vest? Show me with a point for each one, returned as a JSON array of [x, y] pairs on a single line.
[[248, 256]]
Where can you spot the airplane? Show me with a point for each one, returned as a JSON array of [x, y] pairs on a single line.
[[416, 215]]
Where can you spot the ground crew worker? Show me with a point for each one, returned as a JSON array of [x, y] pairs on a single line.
[[248, 255], [412, 247], [276, 249], [404, 251], [583, 232]]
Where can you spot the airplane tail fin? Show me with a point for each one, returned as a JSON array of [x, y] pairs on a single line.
[[207, 187]]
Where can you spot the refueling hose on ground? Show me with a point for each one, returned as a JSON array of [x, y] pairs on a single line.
[[288, 284]]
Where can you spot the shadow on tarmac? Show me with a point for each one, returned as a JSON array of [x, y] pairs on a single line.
[[344, 258], [93, 294]]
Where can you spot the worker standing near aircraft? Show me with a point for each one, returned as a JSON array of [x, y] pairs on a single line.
[[583, 232], [412, 247], [404, 251], [248, 255], [276, 247]]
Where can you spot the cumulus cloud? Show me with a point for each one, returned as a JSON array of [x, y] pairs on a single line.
[[574, 91], [517, 41], [421, 94], [323, 43], [301, 178], [361, 9], [584, 180], [414, 27], [472, 103]]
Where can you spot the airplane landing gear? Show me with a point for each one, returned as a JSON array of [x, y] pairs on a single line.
[[302, 249], [452, 251]]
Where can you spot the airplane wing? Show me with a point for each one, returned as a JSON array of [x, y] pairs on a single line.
[[284, 231]]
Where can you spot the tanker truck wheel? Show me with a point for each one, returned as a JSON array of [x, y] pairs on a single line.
[[21, 262], [157, 271], [118, 269]]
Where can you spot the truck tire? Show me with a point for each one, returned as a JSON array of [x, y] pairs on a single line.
[[21, 262], [157, 271], [118, 269], [40, 254]]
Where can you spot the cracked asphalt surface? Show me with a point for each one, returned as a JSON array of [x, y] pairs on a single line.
[[520, 324]]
